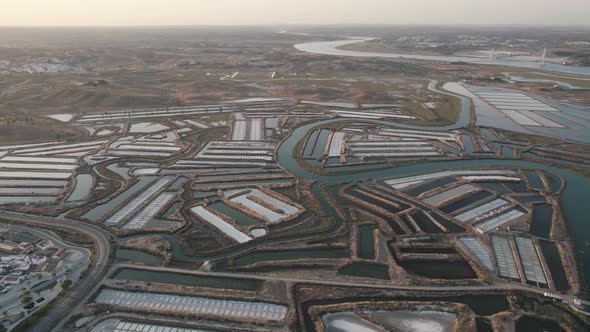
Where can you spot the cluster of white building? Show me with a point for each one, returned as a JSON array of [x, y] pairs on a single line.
[[20, 259]]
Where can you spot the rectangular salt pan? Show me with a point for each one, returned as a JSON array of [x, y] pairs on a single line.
[[504, 257], [397, 154], [221, 224], [542, 120], [62, 147], [34, 175], [497, 221], [431, 176], [239, 132], [448, 194], [150, 211], [520, 118], [139, 201], [17, 165], [531, 265], [387, 144], [268, 214], [480, 210], [478, 250], [42, 159], [63, 152], [256, 129]]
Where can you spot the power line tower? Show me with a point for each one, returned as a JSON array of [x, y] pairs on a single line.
[[10, 234], [542, 60], [493, 54]]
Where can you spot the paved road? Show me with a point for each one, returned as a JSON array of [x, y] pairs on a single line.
[[60, 312], [370, 284]]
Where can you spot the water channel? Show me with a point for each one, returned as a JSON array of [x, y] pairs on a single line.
[[571, 199]]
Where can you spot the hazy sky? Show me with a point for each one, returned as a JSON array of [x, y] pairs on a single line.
[[238, 12]]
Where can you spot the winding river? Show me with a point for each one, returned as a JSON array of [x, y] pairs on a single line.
[[332, 48]]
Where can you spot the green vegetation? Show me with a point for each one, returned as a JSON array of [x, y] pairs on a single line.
[[533, 139], [290, 192], [66, 283], [111, 182], [449, 110], [217, 117], [72, 237], [31, 321]]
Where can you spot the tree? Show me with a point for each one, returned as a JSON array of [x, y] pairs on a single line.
[[66, 283]]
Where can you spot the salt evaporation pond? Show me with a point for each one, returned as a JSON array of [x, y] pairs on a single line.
[[63, 117], [252, 100], [32, 183], [99, 211], [258, 232], [410, 321], [540, 80], [330, 104], [145, 171], [348, 322], [104, 132], [26, 199], [146, 128]]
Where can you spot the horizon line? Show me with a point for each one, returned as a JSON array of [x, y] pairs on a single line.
[[585, 25]]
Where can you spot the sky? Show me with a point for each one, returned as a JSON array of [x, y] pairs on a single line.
[[273, 12]]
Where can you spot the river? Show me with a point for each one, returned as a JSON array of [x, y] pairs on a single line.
[[332, 48]]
